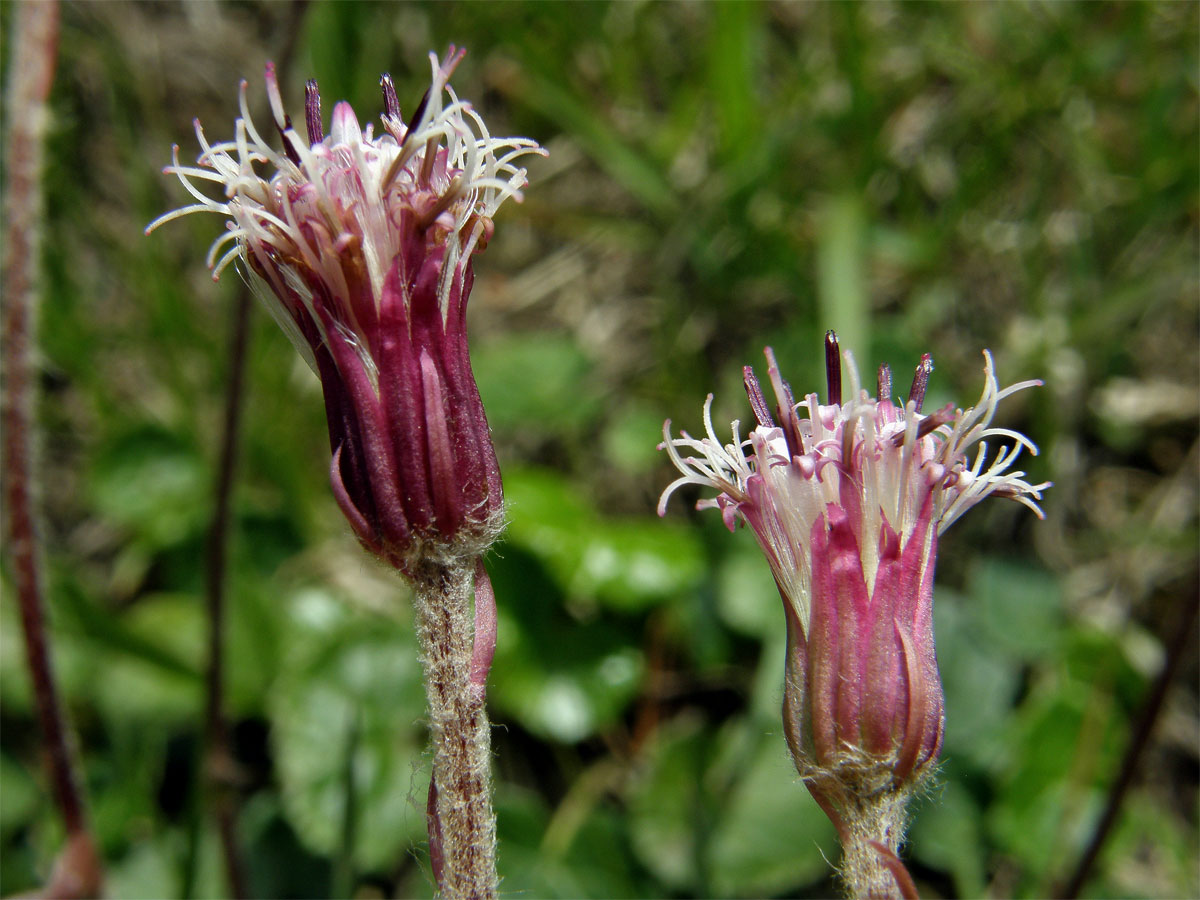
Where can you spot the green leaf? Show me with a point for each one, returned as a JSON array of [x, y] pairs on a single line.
[[1062, 751], [1019, 607], [535, 383], [140, 687], [155, 485], [20, 792], [560, 680], [632, 438], [771, 836], [747, 599], [345, 716], [979, 682], [666, 805], [946, 833], [625, 564], [152, 868], [595, 865]]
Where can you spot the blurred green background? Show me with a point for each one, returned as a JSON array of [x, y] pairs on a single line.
[[941, 178]]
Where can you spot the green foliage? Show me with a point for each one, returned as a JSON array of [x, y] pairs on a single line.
[[722, 177], [345, 709]]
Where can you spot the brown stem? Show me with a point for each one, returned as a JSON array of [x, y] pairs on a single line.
[[77, 872], [1181, 639], [220, 767], [459, 728]]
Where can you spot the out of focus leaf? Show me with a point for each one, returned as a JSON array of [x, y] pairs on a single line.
[[596, 865], [631, 440], [624, 564], [559, 678], [978, 679], [355, 690], [153, 869], [666, 805], [154, 485], [535, 382], [1018, 607], [134, 687], [946, 834], [1063, 732], [81, 615], [281, 865], [747, 598], [1170, 862], [771, 834], [20, 792]]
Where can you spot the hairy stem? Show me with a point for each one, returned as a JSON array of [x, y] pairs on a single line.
[[77, 872], [873, 830], [459, 728]]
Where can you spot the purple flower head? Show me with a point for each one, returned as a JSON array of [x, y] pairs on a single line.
[[847, 500], [360, 247]]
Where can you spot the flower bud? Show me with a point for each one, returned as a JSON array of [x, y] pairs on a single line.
[[360, 246], [847, 503]]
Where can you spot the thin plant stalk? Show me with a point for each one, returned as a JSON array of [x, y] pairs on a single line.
[[1184, 634], [77, 872], [220, 769]]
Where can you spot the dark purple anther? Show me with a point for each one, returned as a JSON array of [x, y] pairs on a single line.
[[288, 147], [884, 382], [833, 368], [928, 425], [391, 103], [757, 401], [414, 124], [312, 112], [916, 393]]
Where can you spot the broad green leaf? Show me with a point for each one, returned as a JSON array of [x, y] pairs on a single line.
[[1018, 607], [596, 864], [134, 687], [560, 678], [346, 718], [747, 598], [771, 836], [979, 682], [1062, 754], [625, 564], [155, 485], [946, 833], [539, 384], [666, 805], [19, 791], [632, 438]]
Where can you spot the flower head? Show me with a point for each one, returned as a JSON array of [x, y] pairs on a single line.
[[847, 500], [360, 246]]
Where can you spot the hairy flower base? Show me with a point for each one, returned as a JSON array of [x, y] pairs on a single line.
[[870, 813]]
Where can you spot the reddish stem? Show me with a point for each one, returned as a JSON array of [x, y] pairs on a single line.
[[77, 872], [221, 769], [1182, 637]]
